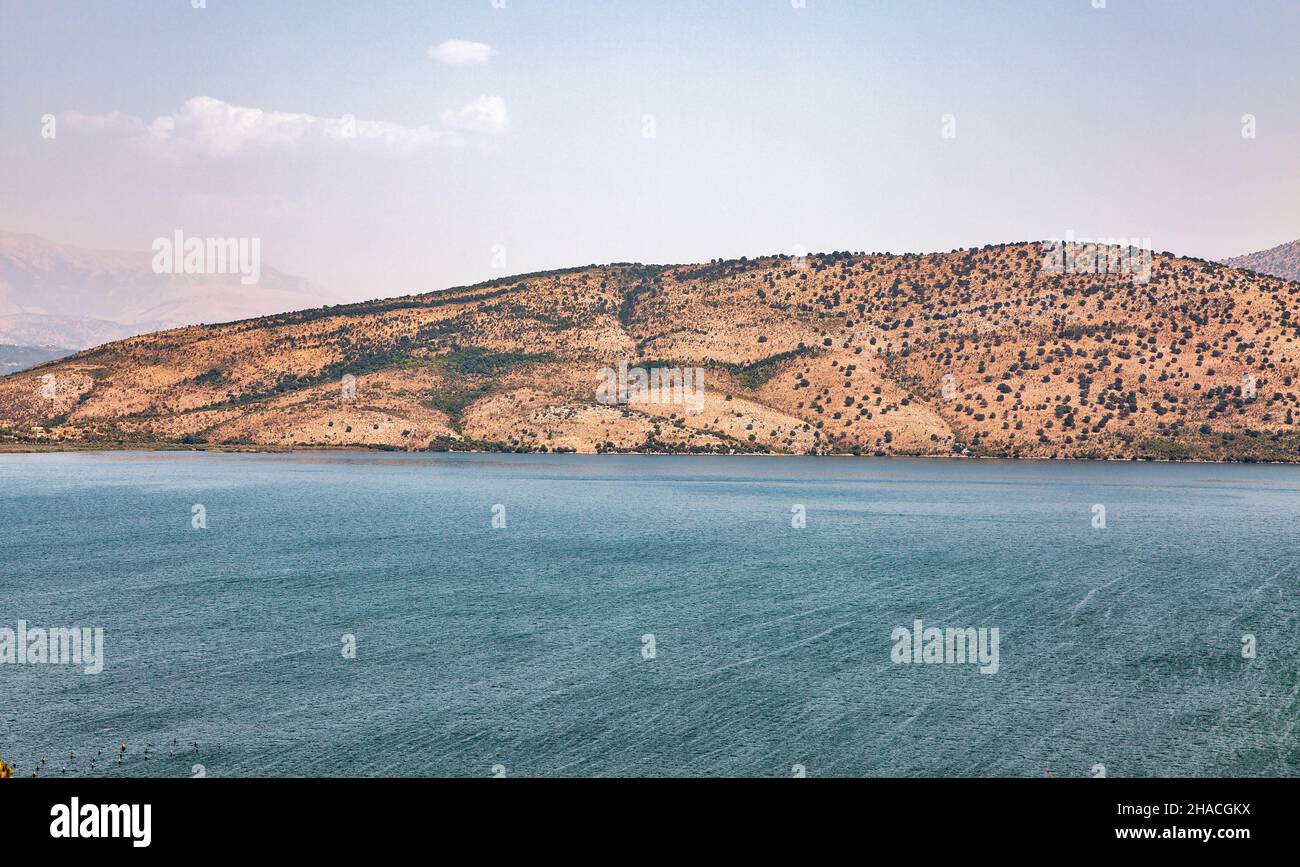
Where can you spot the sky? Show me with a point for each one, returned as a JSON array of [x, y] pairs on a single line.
[[385, 147]]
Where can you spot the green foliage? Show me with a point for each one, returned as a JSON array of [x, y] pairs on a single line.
[[757, 373], [215, 377], [1165, 450], [475, 361]]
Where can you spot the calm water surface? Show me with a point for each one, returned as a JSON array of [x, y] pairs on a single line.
[[522, 646]]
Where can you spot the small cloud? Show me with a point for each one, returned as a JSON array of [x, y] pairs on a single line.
[[459, 52], [485, 114]]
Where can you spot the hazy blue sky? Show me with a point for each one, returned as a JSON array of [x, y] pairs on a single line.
[[774, 127]]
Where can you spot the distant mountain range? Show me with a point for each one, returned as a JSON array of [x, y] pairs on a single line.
[[14, 358], [994, 351], [1281, 261], [60, 297]]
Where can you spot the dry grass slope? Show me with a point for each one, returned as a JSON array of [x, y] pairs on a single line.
[[978, 352]]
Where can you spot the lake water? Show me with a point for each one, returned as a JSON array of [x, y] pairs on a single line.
[[522, 647]]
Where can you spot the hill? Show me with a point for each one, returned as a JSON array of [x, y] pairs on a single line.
[[59, 295], [1281, 261], [14, 358], [979, 352]]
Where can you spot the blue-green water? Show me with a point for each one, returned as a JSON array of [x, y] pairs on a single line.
[[522, 646]]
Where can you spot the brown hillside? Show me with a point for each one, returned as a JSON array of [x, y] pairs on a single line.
[[839, 354]]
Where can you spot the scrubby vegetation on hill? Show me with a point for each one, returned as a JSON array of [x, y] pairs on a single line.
[[978, 352]]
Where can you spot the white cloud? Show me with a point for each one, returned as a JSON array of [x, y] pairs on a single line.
[[459, 52], [485, 114], [208, 127]]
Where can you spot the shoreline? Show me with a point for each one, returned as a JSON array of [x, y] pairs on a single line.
[[163, 448]]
